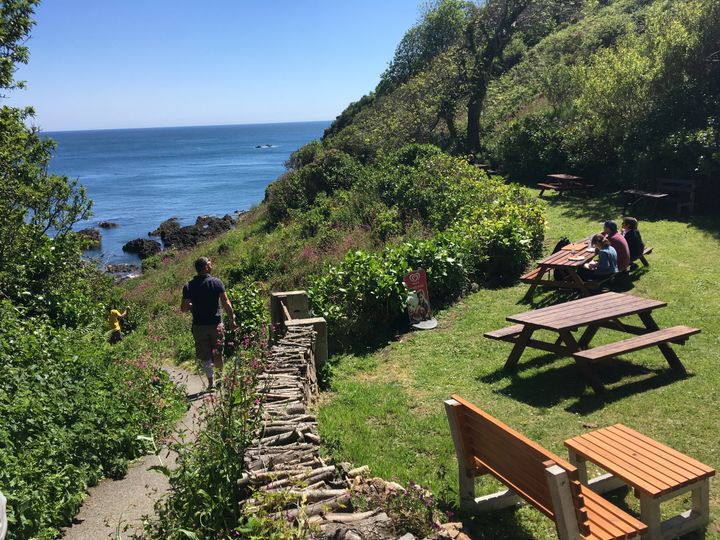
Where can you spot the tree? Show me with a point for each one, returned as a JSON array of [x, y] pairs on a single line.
[[489, 30], [33, 203], [439, 28]]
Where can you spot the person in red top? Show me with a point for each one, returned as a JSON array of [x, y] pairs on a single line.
[[610, 230]]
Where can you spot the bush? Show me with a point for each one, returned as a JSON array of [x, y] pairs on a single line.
[[72, 413], [298, 189]]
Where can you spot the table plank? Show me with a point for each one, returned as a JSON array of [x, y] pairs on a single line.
[[578, 313]]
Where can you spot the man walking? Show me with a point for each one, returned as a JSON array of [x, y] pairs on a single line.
[[203, 295]]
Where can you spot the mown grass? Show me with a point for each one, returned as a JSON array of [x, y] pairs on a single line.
[[384, 408]]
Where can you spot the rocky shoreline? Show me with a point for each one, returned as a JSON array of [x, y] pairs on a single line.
[[172, 235]]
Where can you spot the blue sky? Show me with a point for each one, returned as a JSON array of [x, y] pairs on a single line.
[[98, 64]]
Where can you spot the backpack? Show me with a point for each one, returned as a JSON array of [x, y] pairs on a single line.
[[558, 273]]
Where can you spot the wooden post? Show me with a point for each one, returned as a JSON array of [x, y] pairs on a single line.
[[465, 473], [563, 507]]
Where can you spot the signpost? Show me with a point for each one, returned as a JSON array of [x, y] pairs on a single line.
[[418, 302]]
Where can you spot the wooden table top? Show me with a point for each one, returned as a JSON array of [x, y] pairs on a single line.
[[593, 309], [647, 465], [561, 258], [562, 177]]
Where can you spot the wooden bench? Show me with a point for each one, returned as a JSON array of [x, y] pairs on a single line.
[[561, 188], [484, 445], [666, 187], [505, 334], [675, 334]]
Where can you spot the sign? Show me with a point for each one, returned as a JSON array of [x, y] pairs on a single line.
[[418, 301]]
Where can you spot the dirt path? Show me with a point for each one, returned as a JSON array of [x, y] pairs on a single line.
[[117, 506]]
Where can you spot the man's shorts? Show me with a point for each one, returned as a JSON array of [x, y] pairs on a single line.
[[208, 340]]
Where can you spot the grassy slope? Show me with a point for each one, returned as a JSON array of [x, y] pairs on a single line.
[[385, 408]]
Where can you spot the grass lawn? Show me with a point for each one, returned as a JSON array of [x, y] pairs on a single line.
[[384, 408]]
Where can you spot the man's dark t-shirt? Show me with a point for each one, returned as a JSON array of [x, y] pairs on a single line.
[[204, 293]]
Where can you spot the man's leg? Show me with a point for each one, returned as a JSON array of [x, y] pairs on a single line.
[[219, 345], [204, 349]]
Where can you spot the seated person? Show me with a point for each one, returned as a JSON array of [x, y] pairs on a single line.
[[605, 266], [632, 236], [610, 230]]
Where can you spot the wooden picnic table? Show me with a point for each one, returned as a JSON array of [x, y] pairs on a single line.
[[569, 259], [655, 471], [591, 314], [562, 182]]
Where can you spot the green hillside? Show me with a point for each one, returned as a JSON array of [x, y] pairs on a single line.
[[621, 91]]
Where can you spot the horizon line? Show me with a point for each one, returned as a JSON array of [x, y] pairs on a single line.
[[180, 126]]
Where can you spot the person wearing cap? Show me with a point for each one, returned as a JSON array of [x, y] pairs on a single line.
[[610, 230], [203, 296]]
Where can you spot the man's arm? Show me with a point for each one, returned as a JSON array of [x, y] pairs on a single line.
[[227, 306]]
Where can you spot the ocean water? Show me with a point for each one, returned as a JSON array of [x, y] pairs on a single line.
[[138, 178]]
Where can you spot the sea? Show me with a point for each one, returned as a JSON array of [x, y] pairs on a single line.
[[138, 178]]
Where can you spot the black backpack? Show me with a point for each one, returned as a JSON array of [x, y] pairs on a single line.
[[559, 274]]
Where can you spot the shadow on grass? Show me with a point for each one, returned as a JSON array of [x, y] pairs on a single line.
[[553, 386], [590, 402], [493, 525]]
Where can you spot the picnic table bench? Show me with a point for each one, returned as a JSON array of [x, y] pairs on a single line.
[[484, 445], [569, 259], [666, 187], [562, 182], [601, 311], [655, 471]]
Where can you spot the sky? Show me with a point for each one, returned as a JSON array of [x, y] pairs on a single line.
[[104, 64]]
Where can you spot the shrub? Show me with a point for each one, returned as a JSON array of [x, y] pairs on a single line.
[[72, 413]]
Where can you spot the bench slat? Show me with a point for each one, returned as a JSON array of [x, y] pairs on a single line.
[[676, 333], [604, 518], [532, 275], [505, 333]]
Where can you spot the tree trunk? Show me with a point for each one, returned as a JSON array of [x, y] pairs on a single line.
[[472, 142]]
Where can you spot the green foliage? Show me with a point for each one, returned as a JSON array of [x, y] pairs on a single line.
[[15, 25], [72, 413], [298, 189], [263, 523], [413, 509], [484, 231], [439, 28], [249, 302], [204, 498]]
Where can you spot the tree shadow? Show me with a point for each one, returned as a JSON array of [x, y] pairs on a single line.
[[551, 387]]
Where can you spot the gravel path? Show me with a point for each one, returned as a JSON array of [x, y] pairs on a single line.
[[118, 505]]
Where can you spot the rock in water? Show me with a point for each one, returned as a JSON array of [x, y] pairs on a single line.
[[92, 238], [107, 225], [169, 226], [142, 247], [205, 228]]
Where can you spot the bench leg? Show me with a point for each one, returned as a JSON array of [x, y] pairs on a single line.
[[701, 503], [667, 351], [466, 479], [518, 348], [586, 371], [650, 516], [581, 465], [644, 260]]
